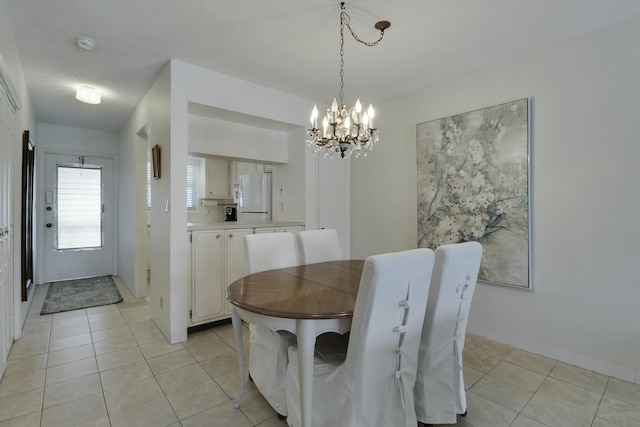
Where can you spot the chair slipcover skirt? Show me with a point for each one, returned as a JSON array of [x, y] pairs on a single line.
[[267, 365], [371, 382], [439, 392], [267, 348]]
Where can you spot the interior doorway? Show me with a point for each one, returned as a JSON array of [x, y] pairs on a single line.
[[26, 217]]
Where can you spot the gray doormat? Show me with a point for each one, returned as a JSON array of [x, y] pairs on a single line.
[[80, 293]]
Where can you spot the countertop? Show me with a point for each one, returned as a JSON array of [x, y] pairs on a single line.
[[229, 225]]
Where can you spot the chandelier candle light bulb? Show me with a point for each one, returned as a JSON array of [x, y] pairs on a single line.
[[345, 131], [314, 117]]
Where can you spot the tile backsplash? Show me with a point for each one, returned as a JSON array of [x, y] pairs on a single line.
[[207, 213]]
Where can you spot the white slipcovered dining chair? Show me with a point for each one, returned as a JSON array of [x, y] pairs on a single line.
[[439, 392], [370, 382], [268, 348], [319, 246]]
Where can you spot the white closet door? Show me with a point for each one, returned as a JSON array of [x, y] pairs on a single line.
[[8, 141]]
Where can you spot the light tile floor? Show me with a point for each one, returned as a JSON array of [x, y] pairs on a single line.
[[111, 366]]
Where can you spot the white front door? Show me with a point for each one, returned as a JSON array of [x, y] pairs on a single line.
[[79, 217]]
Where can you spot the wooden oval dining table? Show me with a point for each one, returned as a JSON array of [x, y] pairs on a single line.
[[306, 300]]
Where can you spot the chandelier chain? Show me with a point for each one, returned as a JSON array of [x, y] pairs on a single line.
[[345, 19], [342, 56]]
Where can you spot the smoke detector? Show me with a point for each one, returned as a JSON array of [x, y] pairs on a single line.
[[86, 43]]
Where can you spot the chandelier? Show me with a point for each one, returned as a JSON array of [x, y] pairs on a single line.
[[345, 131]]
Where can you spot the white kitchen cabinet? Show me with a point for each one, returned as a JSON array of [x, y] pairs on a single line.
[[235, 260], [235, 254], [207, 276], [218, 184], [217, 260]]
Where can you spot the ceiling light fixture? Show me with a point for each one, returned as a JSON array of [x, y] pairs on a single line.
[[345, 131], [88, 94]]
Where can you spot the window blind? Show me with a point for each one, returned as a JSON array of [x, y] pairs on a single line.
[[193, 171], [79, 207], [148, 184]]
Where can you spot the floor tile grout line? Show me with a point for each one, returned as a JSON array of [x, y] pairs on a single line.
[[547, 375], [533, 394], [595, 416]]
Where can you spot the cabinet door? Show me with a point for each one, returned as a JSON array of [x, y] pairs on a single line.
[[235, 260], [207, 282], [217, 172]]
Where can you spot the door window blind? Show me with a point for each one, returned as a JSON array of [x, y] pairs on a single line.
[[79, 207]]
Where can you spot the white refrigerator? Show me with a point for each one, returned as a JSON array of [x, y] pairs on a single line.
[[254, 197]]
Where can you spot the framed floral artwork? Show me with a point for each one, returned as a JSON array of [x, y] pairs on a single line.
[[473, 185]]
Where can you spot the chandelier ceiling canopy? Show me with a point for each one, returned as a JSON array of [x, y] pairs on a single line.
[[345, 131]]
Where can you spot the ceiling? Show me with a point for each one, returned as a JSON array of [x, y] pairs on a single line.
[[291, 45]]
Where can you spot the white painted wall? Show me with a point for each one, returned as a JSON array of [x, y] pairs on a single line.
[[191, 84], [585, 206], [163, 115], [227, 139], [328, 195], [289, 183], [132, 191], [14, 74], [148, 126], [71, 139]]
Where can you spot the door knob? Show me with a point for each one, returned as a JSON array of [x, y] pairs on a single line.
[[49, 225]]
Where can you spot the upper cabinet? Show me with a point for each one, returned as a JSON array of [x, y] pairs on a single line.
[[222, 176], [218, 183], [241, 168]]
